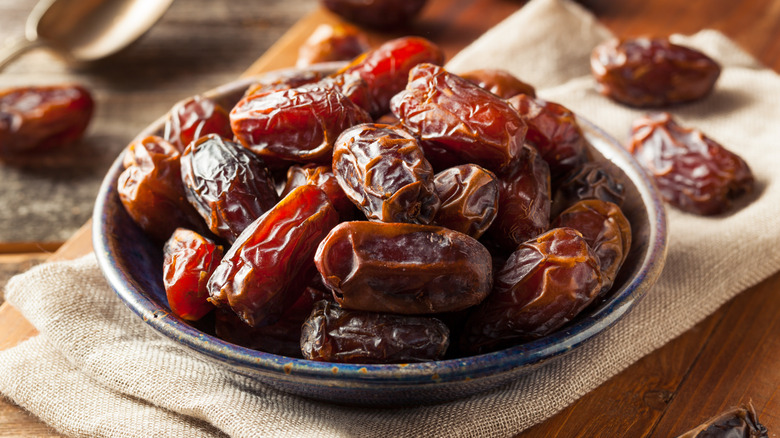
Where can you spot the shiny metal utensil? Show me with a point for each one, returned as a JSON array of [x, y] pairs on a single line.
[[85, 30]]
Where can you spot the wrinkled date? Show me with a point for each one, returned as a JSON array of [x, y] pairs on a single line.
[[607, 231], [645, 72], [332, 43], [385, 70], [459, 122], [383, 170], [554, 131], [151, 190], [228, 185], [290, 79], [693, 172], [270, 263], [524, 201], [542, 286], [592, 180], [282, 337], [378, 14], [469, 199], [333, 334], [403, 268], [295, 125], [322, 177], [499, 82], [35, 118], [194, 118], [189, 260]]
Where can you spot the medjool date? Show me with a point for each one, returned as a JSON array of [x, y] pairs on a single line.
[[272, 260], [322, 177], [333, 334], [693, 172], [499, 82], [194, 118], [189, 260], [328, 42], [458, 122], [592, 180], [644, 72], [542, 286], [403, 268], [228, 185], [469, 199], [383, 170], [42, 117], [378, 14]]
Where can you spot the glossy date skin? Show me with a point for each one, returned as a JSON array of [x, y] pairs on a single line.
[[469, 197], [194, 118], [499, 82], [385, 70], [542, 286], [42, 117], [383, 171], [282, 337], [652, 72], [693, 172], [151, 190], [592, 180], [524, 201], [554, 132], [607, 231], [227, 184], [403, 268], [458, 122], [376, 14], [271, 262], [189, 261], [333, 334], [332, 42], [295, 125], [322, 177]]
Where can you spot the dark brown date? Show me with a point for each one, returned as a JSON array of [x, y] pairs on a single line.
[[194, 118], [693, 172], [542, 286], [607, 231], [151, 190], [647, 72], [524, 201], [42, 117], [554, 132], [332, 42], [592, 180], [333, 334], [499, 82], [282, 337], [738, 422], [228, 185], [376, 14], [469, 199], [322, 177], [385, 70], [295, 125], [383, 170], [271, 262], [459, 122], [403, 268], [189, 260]]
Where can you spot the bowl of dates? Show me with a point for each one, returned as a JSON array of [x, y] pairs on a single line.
[[382, 232]]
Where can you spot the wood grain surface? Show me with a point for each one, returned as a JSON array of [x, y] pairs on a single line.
[[728, 359]]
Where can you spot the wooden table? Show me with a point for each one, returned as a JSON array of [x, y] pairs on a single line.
[[728, 359]]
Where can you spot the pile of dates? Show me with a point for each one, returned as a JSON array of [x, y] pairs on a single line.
[[389, 212]]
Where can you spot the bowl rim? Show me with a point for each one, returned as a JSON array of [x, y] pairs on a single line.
[[457, 369]]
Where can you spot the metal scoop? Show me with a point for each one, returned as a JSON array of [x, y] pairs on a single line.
[[85, 30]]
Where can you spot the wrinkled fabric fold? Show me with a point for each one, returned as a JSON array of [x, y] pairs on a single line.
[[97, 370]]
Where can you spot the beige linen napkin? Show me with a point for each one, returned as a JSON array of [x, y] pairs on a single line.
[[98, 370]]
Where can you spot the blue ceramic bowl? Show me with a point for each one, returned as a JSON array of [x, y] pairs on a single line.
[[133, 266]]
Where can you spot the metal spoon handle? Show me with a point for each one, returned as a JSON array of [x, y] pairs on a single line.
[[11, 50]]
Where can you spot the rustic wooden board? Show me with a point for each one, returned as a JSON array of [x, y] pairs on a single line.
[[728, 359]]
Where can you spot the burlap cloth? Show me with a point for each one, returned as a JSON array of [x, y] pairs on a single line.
[[97, 370]]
